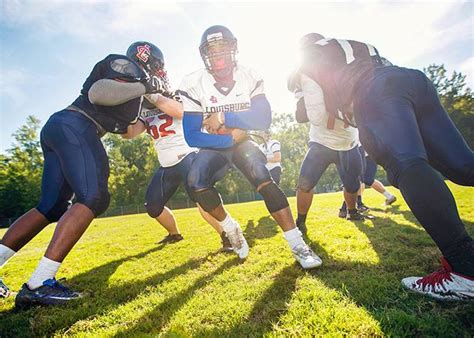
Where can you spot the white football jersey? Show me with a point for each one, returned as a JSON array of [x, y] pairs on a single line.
[[168, 136], [269, 148], [339, 138], [199, 92]]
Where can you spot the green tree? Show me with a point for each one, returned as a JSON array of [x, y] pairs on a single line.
[[21, 170]]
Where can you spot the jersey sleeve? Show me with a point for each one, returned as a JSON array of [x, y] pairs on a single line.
[[256, 83]]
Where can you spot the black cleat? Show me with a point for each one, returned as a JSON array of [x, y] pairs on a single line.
[[302, 227], [355, 215], [362, 207], [171, 239], [50, 293], [4, 290], [342, 213], [226, 246]]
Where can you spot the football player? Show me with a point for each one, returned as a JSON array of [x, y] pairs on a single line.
[[228, 99], [330, 141], [369, 169], [75, 162], [403, 126], [174, 154], [271, 149]]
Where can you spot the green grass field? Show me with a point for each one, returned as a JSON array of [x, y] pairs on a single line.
[[135, 287]]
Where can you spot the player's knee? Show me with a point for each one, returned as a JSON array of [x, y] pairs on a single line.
[[154, 209], [274, 198], [53, 212], [395, 171], [260, 174], [196, 181], [97, 202], [305, 183], [209, 199], [368, 181]]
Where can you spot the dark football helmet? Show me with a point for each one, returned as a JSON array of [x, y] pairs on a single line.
[[309, 39], [218, 50], [150, 58]]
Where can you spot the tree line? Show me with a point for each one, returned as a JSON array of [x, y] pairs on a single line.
[[133, 162]]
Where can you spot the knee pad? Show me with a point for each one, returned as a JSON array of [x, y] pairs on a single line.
[[396, 169], [274, 198], [54, 213], [154, 209], [305, 184], [352, 184], [368, 181], [98, 203], [208, 199]]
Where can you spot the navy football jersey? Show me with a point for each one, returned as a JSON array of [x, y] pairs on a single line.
[[338, 66], [114, 119]]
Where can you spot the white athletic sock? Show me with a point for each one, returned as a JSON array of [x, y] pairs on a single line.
[[5, 254], [387, 194], [294, 238], [46, 269], [228, 224]]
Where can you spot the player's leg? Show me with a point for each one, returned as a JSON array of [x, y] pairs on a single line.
[[54, 195], [447, 150], [390, 133], [369, 180], [208, 167], [349, 167], [316, 161], [84, 165], [248, 158], [163, 185], [226, 245], [276, 175]]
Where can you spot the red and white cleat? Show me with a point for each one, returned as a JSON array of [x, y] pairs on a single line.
[[443, 284]]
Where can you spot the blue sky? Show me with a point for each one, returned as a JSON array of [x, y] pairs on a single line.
[[49, 47]]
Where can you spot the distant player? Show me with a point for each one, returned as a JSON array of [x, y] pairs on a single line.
[[227, 99], [174, 154], [330, 141], [271, 149], [403, 127], [75, 162], [369, 169]]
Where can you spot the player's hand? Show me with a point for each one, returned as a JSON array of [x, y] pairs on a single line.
[[238, 135], [154, 84], [213, 123]]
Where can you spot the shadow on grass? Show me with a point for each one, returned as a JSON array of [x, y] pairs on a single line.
[[266, 228], [99, 298], [401, 250]]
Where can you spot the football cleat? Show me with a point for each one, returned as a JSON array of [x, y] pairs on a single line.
[[342, 213], [238, 242], [355, 215], [390, 200], [306, 257], [443, 284], [4, 290], [171, 239], [50, 293], [362, 207], [302, 227], [226, 246]]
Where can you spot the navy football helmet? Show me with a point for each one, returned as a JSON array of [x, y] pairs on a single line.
[[150, 58], [218, 50]]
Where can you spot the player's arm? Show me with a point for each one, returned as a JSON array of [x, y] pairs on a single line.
[[192, 125], [122, 81], [171, 106], [258, 117], [134, 130]]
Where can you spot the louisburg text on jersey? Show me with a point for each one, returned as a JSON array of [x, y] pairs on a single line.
[[228, 107]]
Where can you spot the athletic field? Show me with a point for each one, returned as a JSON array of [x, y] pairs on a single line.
[[136, 288]]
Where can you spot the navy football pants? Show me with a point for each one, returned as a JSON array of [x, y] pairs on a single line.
[[403, 127], [75, 162], [164, 184]]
